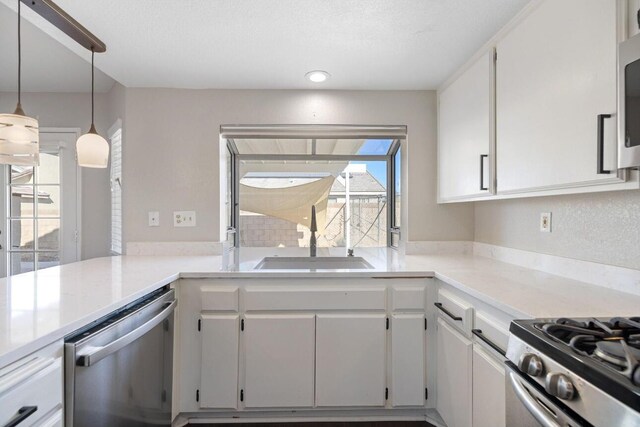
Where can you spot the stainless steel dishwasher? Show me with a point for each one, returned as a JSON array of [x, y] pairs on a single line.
[[118, 371]]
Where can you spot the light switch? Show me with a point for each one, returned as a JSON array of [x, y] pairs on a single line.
[[154, 219], [184, 219], [545, 222]]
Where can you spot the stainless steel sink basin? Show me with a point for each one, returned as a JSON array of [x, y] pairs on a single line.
[[315, 263]]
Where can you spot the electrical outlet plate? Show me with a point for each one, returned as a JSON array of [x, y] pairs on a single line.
[[154, 219], [184, 219], [545, 222]]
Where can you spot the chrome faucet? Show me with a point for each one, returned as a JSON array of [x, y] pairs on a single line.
[[313, 229]]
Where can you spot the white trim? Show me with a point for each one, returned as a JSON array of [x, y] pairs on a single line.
[[438, 248], [608, 276]]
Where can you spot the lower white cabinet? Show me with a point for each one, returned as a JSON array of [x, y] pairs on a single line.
[[408, 359], [454, 359], [488, 389], [279, 360], [219, 370], [350, 359]]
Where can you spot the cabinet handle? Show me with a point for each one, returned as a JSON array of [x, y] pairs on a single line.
[[478, 333], [482, 157], [447, 312], [601, 118], [23, 413]]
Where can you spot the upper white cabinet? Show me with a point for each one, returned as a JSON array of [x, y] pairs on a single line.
[[350, 365], [466, 133], [555, 74], [279, 360], [535, 112]]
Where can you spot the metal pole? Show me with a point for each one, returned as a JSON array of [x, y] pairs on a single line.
[[347, 210]]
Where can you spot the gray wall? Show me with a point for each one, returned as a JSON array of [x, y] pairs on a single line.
[[171, 153], [72, 110], [599, 227]]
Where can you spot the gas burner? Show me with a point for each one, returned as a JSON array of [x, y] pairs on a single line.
[[614, 352]]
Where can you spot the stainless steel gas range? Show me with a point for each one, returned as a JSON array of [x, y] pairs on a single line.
[[574, 372]]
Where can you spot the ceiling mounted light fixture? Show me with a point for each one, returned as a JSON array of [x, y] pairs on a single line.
[[91, 148], [19, 134], [317, 76]]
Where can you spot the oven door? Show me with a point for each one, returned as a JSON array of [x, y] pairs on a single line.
[[528, 405], [629, 103]]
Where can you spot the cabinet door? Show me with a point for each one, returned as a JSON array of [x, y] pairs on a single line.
[[279, 360], [407, 360], [488, 390], [555, 73], [466, 133], [219, 369], [454, 376], [350, 359]]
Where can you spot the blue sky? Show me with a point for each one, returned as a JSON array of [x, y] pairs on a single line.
[[376, 147]]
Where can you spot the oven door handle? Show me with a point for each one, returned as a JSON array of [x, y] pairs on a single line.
[[99, 353], [538, 412]]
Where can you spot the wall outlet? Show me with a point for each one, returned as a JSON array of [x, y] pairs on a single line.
[[184, 219], [154, 219], [545, 222]]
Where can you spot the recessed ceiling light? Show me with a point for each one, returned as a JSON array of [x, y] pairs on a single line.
[[317, 76]]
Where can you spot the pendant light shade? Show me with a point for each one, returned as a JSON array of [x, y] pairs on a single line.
[[19, 135], [92, 149]]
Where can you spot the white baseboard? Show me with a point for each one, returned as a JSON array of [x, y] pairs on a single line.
[[174, 248], [609, 276]]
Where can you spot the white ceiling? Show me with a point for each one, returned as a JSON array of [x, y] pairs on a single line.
[[363, 44], [47, 66]]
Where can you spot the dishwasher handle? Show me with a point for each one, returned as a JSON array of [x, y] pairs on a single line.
[[100, 353]]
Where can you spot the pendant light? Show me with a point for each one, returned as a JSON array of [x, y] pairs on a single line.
[[19, 135], [91, 148]]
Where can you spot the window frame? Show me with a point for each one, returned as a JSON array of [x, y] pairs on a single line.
[[115, 130], [228, 136]]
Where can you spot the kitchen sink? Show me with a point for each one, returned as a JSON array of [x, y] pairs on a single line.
[[313, 263]]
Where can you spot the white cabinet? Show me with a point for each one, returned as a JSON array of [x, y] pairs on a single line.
[[454, 359], [488, 389], [555, 73], [350, 359], [279, 360], [219, 369], [466, 133], [408, 359]]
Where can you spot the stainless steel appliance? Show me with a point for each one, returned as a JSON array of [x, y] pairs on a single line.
[[118, 371], [629, 103], [566, 372]]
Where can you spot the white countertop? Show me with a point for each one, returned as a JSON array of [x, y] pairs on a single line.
[[40, 307]]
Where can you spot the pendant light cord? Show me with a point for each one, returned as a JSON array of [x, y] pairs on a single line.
[[92, 78], [19, 55]]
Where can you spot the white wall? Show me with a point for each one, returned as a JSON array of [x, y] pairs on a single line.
[[171, 157], [598, 227], [73, 110]]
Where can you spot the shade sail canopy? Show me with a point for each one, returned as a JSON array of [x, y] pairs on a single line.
[[291, 203]]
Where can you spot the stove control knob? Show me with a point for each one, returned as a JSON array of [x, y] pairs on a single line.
[[560, 386], [531, 364]]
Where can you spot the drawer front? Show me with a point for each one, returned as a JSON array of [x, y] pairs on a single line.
[[408, 298], [42, 389], [492, 329], [314, 298], [456, 311], [219, 298]]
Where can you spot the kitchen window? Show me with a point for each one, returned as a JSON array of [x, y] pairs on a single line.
[[350, 174], [116, 190]]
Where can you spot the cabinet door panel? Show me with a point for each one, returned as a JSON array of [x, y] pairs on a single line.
[[454, 376], [219, 370], [407, 360], [350, 360], [465, 132], [555, 73], [488, 390], [279, 360]]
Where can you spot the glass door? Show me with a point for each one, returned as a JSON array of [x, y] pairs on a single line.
[[40, 208]]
